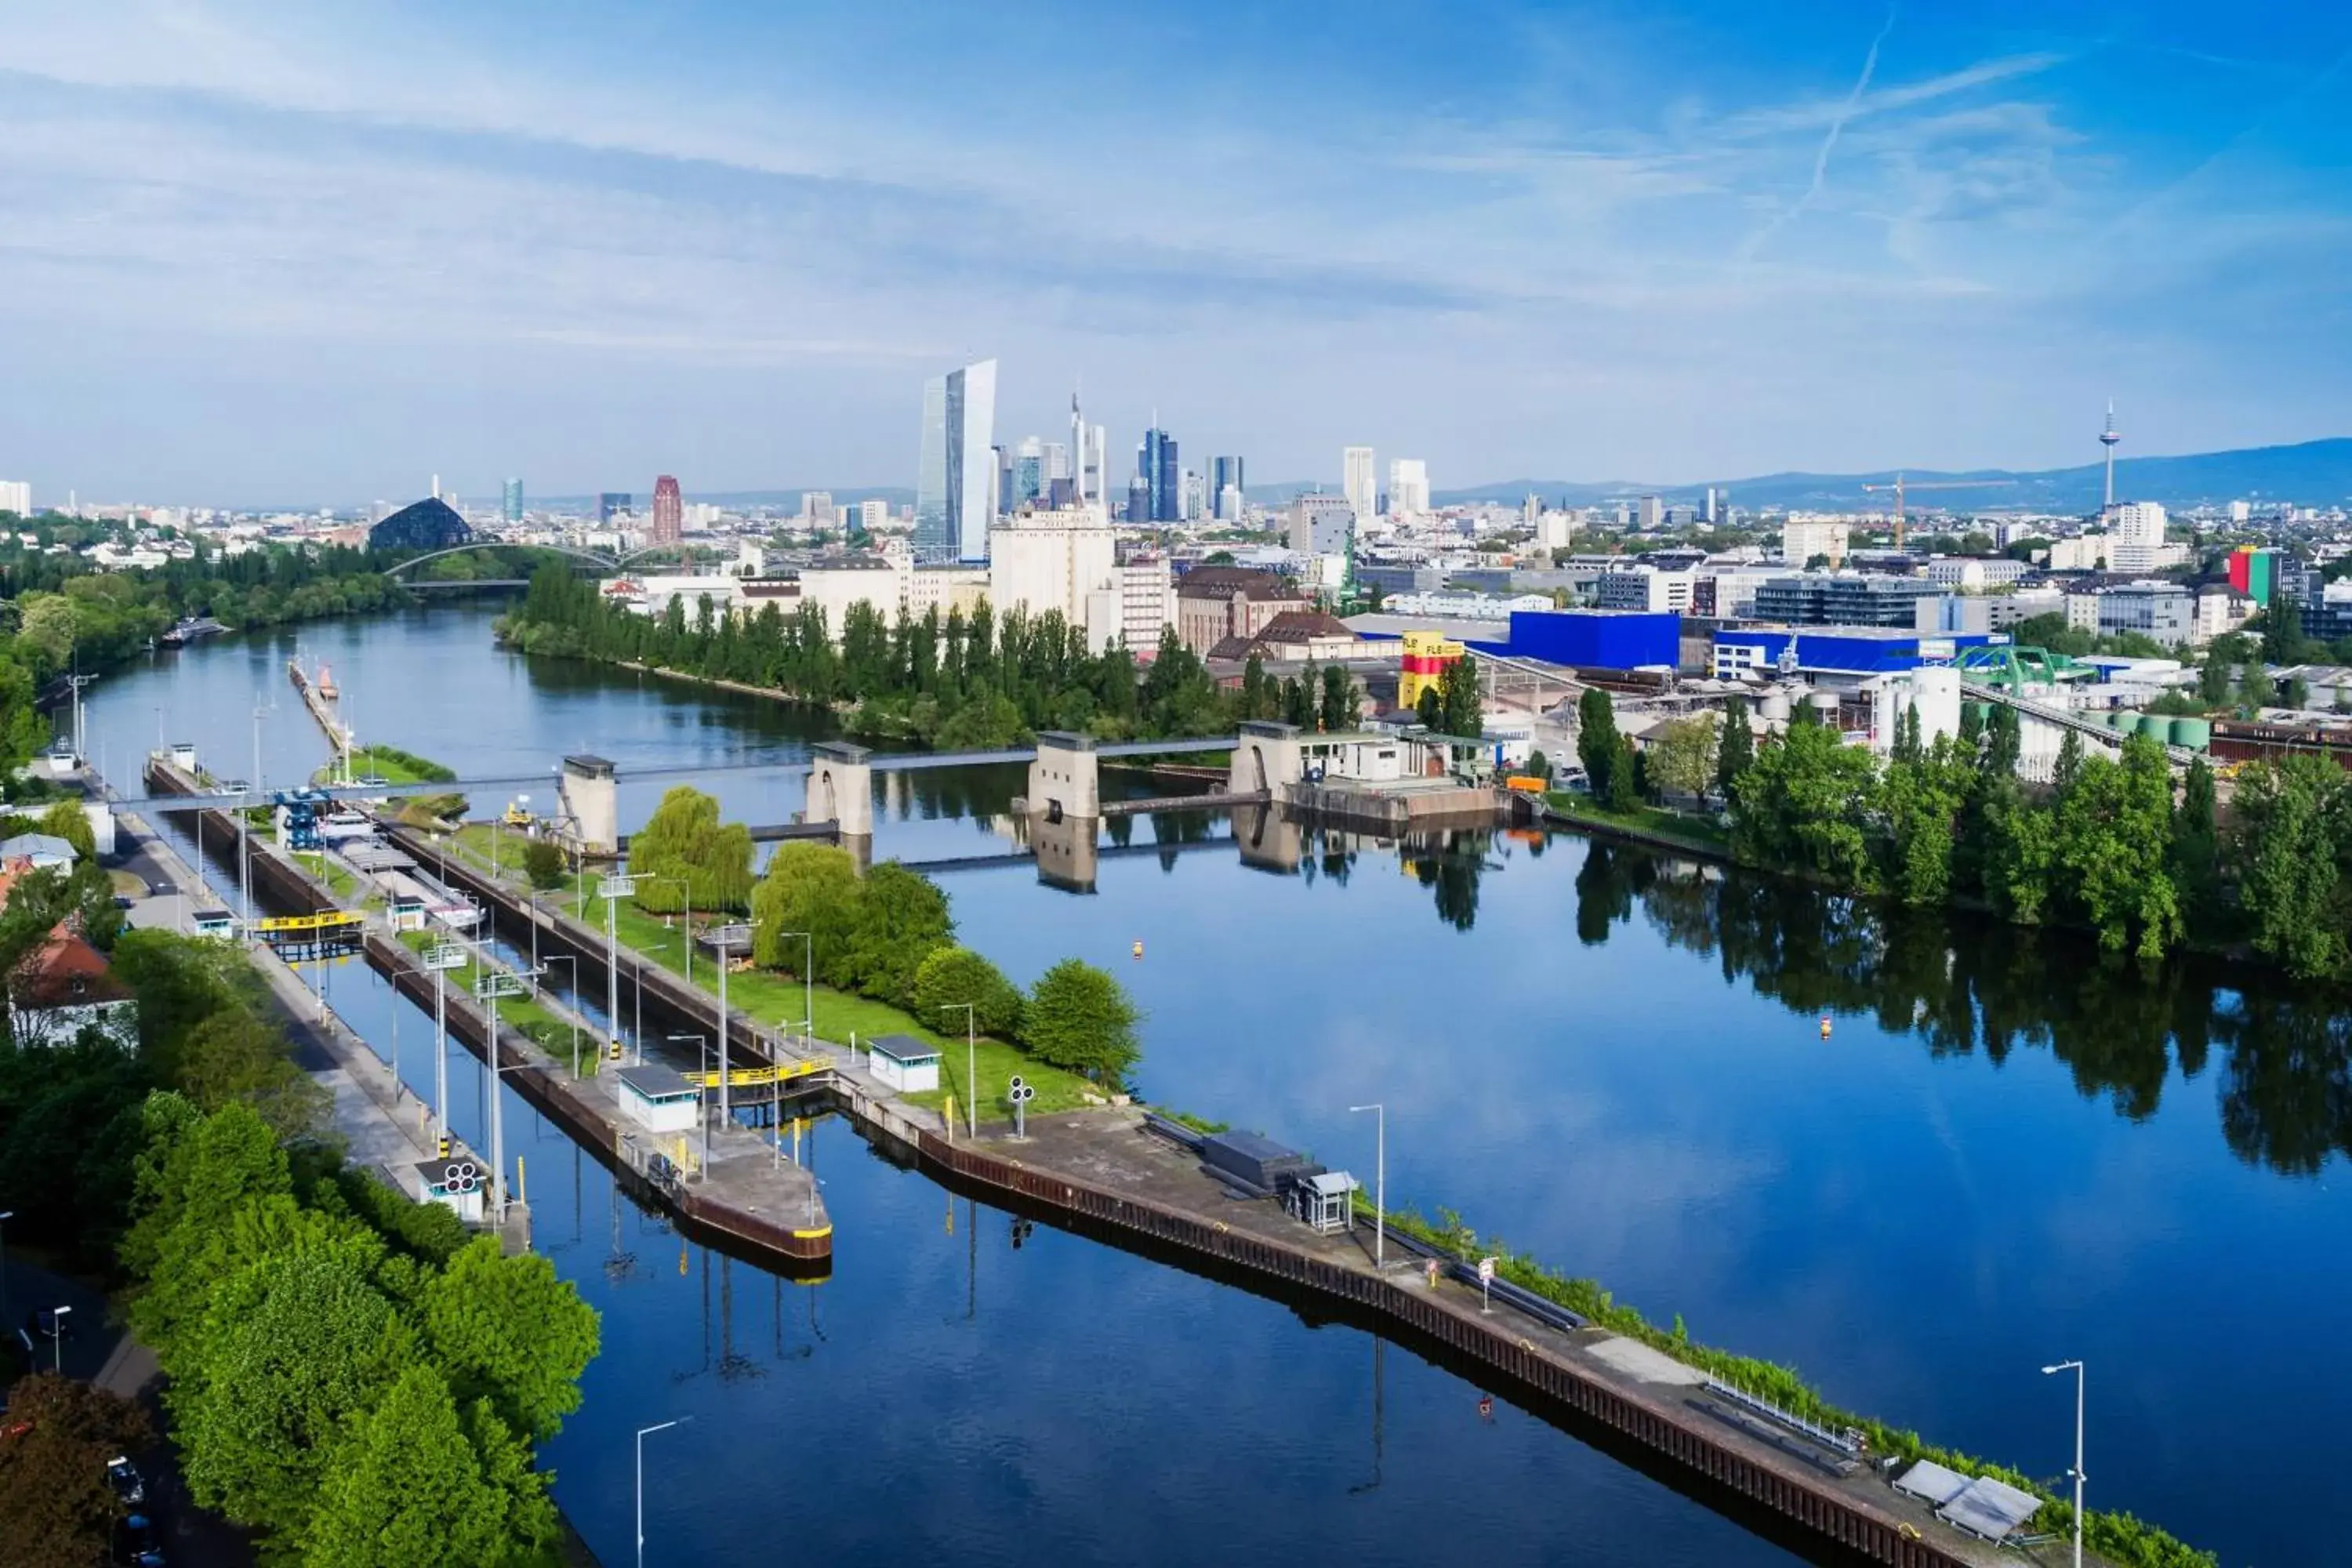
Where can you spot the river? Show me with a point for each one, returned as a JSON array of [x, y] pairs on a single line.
[[2007, 1153]]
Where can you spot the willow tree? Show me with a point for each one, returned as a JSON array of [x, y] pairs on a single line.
[[684, 853]]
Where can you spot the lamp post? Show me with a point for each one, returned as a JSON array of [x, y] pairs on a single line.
[[573, 959], [971, 1063], [701, 1105], [642, 1433], [1380, 1184], [2076, 1368], [613, 889], [58, 1338], [808, 982]]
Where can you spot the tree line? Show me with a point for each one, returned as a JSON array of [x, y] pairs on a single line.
[[351, 1375]]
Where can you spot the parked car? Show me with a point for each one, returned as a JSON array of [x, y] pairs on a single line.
[[136, 1544], [130, 1485]]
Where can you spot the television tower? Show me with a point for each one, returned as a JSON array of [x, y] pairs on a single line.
[[2107, 438]]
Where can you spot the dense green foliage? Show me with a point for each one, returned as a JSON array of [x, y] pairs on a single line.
[[955, 682], [54, 1494], [890, 935], [311, 1320], [2104, 847], [59, 612], [685, 858]]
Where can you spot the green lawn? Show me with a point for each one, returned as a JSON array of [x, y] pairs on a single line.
[[776, 998], [1686, 828], [337, 877], [550, 1033]]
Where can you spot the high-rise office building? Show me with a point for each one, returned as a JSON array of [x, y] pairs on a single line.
[[513, 501], [1139, 499], [1357, 480], [1195, 502], [1652, 513], [1094, 465], [1407, 487], [1156, 461], [955, 475], [816, 508], [669, 511], [16, 496], [611, 504], [1225, 474], [1028, 474], [1057, 462]]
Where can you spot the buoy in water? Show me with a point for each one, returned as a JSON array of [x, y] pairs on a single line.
[[1139, 950], [1825, 1026]]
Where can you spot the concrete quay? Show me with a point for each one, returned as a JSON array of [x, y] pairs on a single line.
[[1099, 1173]]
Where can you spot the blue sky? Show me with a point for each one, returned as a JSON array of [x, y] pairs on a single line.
[[255, 253]]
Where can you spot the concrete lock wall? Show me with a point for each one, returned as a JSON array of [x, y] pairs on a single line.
[[841, 789], [1066, 778], [1265, 759], [591, 796]]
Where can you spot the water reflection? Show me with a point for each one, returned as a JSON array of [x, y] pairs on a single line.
[[1964, 985]]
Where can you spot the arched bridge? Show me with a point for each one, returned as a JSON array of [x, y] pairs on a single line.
[[590, 557]]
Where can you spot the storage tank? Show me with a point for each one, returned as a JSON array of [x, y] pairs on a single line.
[[1825, 707], [1774, 708], [2157, 728], [2197, 734], [2124, 720], [1936, 691]]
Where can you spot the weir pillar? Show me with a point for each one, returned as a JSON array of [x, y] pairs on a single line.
[[590, 794], [841, 791], [1268, 760], [1065, 779]]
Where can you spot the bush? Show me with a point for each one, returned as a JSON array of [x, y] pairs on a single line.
[[1081, 1018], [542, 862], [952, 976]]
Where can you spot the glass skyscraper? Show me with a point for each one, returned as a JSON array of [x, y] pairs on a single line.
[[953, 480], [1156, 462]]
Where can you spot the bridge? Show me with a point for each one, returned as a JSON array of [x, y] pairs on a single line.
[[596, 558]]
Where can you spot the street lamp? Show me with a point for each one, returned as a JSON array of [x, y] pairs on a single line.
[[702, 1101], [687, 898], [573, 1008], [57, 1336], [808, 982], [642, 1433], [1379, 1184], [970, 1062], [2076, 1368]]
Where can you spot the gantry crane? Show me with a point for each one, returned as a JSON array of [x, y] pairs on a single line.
[[1897, 488]]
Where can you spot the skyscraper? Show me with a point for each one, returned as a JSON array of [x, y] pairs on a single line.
[[1155, 461], [954, 477], [670, 512], [1225, 473], [1028, 474], [1407, 487], [513, 507], [1357, 480], [611, 504]]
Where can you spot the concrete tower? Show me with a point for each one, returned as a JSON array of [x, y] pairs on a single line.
[[2107, 438]]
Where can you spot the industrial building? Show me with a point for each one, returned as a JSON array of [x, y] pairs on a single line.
[[1843, 599], [1837, 652], [1596, 639]]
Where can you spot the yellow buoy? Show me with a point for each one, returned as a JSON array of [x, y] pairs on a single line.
[[1825, 1026], [1139, 950]]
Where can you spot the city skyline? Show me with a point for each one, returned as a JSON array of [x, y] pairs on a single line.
[[264, 255]]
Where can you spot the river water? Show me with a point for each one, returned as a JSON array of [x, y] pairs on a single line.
[[2008, 1152]]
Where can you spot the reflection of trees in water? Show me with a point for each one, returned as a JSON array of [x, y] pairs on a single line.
[[1449, 862], [1964, 985], [1327, 852], [978, 793]]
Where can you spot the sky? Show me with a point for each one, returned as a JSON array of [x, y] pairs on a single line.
[[278, 254]]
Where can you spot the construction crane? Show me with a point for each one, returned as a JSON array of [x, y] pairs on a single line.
[[1897, 487]]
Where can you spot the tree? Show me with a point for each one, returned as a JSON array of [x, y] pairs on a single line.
[[1596, 739], [1628, 777], [2294, 836], [1461, 711], [949, 977], [685, 850], [2114, 840], [1682, 759], [2069, 765], [1801, 807], [301, 1344], [509, 1330], [2197, 849], [1079, 1017], [412, 1484], [811, 888], [196, 1172], [544, 863], [901, 918], [1430, 708], [1343, 707], [67, 820], [1736, 750], [53, 1487], [234, 1058]]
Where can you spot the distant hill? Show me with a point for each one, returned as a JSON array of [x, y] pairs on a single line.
[[896, 495], [2313, 473]]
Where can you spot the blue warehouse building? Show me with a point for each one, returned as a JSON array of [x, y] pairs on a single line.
[[1839, 650], [1596, 639]]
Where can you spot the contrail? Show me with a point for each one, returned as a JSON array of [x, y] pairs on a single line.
[[1829, 145]]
